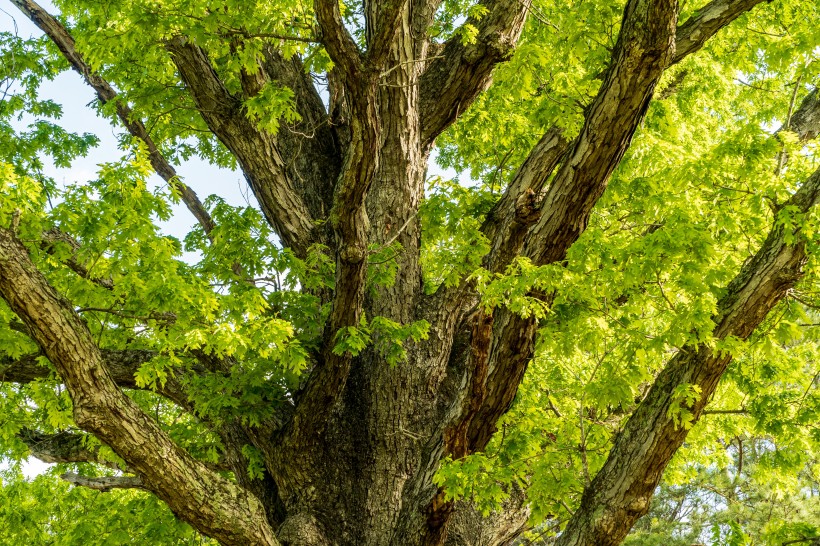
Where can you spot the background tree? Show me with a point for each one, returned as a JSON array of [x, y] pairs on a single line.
[[335, 366]]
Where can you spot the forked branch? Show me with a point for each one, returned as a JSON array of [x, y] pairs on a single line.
[[209, 502], [257, 151], [706, 22], [461, 71]]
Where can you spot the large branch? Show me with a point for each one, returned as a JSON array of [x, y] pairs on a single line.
[[584, 171], [514, 336], [806, 119], [339, 44], [620, 492], [519, 207], [121, 366], [65, 43], [706, 22], [210, 503], [456, 76], [309, 146], [104, 483], [256, 150], [350, 224], [644, 47]]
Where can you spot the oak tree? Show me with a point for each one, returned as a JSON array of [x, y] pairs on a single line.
[[371, 355]]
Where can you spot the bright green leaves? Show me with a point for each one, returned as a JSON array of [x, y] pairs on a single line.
[[28, 133], [47, 510], [351, 339], [518, 288], [452, 243], [468, 31], [120, 40], [382, 265], [386, 336], [680, 408], [476, 477], [270, 105], [256, 463], [21, 195]]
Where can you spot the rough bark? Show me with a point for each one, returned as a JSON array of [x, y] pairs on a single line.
[[646, 40], [460, 72], [806, 119], [62, 447], [256, 151], [104, 483], [707, 21]]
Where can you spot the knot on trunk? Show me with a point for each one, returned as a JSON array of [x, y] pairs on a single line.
[[302, 529]]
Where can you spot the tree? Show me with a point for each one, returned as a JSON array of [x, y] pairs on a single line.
[[334, 365]]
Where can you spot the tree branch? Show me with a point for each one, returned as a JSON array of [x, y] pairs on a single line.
[[338, 42], [519, 208], [256, 150], [212, 504], [120, 365], [351, 229], [65, 43], [62, 447], [104, 483], [54, 237], [460, 72], [806, 119], [509, 220], [707, 21], [382, 23], [620, 492], [309, 146], [644, 48]]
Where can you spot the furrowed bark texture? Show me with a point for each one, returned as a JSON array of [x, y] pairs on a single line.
[[644, 48], [256, 151], [351, 461]]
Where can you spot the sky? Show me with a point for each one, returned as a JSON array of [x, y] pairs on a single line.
[[70, 91]]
